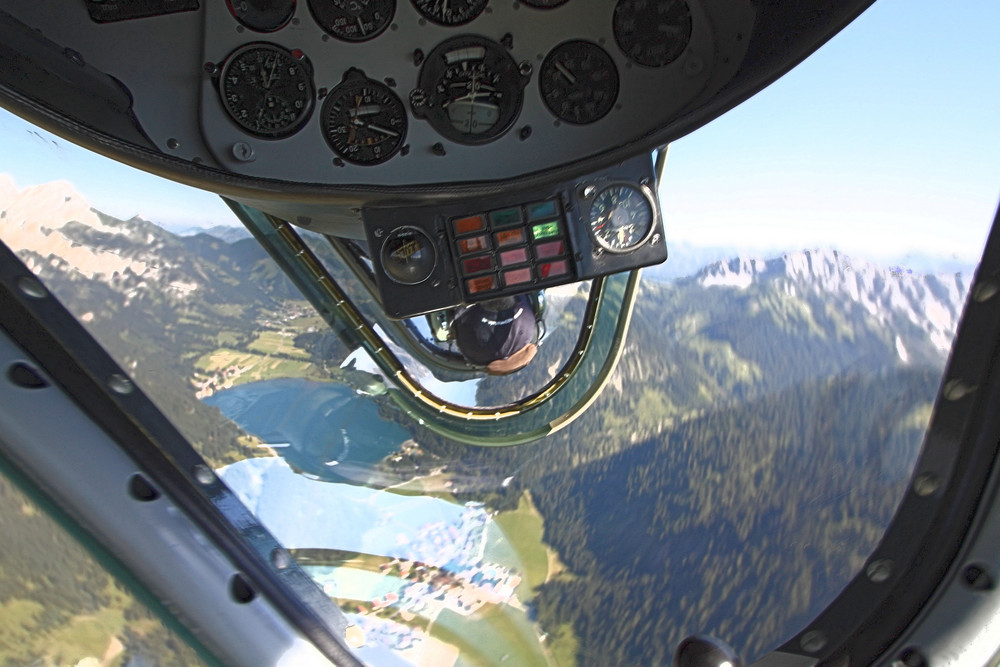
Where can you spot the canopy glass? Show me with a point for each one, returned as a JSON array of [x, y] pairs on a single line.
[[738, 468]]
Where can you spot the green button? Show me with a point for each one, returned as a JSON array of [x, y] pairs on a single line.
[[545, 229], [542, 209], [505, 217]]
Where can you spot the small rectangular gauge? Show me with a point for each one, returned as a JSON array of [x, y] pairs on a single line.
[[467, 53]]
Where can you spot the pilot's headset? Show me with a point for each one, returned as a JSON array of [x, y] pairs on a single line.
[[442, 321]]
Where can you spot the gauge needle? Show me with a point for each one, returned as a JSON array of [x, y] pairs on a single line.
[[566, 73], [354, 120], [361, 26], [270, 76], [366, 110], [381, 129]]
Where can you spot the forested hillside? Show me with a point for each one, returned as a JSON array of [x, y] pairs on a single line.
[[742, 523]]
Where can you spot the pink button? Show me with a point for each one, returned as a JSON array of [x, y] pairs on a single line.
[[553, 269], [515, 256], [550, 249], [517, 276]]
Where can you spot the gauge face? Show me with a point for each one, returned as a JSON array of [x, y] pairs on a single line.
[[353, 20], [470, 90], [262, 15], [653, 33], [578, 82], [621, 218], [266, 90], [408, 256], [363, 120], [450, 12]]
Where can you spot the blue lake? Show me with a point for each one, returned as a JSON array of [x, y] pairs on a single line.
[[320, 428]]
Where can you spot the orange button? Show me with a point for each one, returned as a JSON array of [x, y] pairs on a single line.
[[481, 284], [468, 225], [474, 244]]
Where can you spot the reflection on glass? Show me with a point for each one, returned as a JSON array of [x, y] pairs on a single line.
[[59, 606], [739, 467], [762, 420]]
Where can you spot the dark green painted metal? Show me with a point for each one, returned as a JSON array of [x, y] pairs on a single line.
[[571, 391]]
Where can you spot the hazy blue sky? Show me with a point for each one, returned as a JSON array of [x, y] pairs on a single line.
[[885, 141]]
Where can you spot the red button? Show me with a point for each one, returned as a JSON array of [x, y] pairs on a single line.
[[477, 264]]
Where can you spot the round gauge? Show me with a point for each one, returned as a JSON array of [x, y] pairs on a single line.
[[579, 82], [544, 4], [470, 90], [450, 12], [353, 20], [408, 256], [621, 218], [262, 15], [652, 32], [267, 90], [363, 120]]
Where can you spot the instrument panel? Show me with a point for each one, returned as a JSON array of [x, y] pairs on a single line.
[[313, 109], [489, 90], [427, 258]]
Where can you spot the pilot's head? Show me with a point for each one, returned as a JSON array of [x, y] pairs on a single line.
[[499, 334]]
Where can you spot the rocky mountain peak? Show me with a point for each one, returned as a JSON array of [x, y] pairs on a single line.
[[933, 303], [52, 226]]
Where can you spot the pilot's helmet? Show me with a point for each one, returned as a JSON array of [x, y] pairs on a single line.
[[498, 334]]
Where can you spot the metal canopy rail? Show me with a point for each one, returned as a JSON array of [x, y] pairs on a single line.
[[563, 399]]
